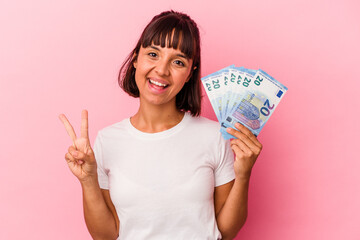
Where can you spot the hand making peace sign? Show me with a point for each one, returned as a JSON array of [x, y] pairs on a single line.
[[80, 156]]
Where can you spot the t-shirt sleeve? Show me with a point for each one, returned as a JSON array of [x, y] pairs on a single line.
[[224, 171], [102, 173]]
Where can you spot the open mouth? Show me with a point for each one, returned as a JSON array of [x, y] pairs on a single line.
[[158, 84]]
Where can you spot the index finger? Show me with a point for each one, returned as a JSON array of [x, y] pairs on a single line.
[[68, 127], [248, 133], [84, 124]]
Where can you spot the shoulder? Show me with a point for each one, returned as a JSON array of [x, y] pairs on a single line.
[[205, 127], [204, 123], [201, 121], [115, 128]]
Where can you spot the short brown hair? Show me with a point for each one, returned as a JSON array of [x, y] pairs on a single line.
[[170, 26]]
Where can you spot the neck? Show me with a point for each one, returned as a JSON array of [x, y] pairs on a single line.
[[156, 118]]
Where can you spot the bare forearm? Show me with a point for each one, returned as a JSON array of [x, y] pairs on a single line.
[[234, 212], [99, 219]]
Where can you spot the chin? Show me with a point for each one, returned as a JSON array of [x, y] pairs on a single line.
[[158, 101]]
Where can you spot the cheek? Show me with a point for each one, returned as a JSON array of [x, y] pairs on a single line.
[[138, 77], [140, 70], [181, 86], [143, 68], [185, 77]]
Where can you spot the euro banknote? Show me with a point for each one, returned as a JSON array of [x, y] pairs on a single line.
[[247, 96]]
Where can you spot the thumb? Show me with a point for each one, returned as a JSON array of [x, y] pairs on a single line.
[[86, 156]]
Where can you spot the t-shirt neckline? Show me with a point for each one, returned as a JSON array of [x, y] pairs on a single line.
[[158, 135]]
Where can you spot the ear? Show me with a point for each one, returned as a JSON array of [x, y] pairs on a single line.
[[191, 73], [134, 60]]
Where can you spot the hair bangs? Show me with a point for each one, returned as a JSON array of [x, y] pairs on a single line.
[[171, 33]]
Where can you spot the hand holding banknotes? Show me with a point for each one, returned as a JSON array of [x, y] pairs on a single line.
[[246, 148], [80, 156]]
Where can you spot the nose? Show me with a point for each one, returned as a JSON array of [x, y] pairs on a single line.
[[162, 67]]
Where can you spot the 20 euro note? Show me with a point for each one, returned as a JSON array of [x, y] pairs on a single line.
[[256, 104], [214, 85]]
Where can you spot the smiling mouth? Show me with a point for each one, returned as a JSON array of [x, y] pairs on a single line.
[[158, 84]]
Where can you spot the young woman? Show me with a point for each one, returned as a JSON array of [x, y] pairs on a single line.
[[166, 172]]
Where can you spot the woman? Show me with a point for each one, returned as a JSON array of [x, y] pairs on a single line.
[[164, 173]]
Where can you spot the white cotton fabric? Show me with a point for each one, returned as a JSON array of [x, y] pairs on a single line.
[[162, 184]]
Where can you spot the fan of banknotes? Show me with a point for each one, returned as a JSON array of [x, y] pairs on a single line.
[[242, 95]]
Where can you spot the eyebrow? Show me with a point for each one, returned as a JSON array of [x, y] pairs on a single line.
[[179, 55]]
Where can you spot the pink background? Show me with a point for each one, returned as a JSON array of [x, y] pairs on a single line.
[[64, 56]]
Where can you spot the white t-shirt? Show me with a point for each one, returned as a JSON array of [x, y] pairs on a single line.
[[162, 184]]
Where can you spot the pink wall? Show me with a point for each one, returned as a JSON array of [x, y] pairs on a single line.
[[63, 56]]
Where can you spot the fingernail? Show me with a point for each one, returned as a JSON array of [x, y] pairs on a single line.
[[74, 153], [228, 129]]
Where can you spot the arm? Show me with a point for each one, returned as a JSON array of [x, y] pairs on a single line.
[[99, 216], [232, 215], [99, 212]]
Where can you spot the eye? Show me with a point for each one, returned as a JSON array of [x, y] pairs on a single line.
[[152, 54], [180, 63]]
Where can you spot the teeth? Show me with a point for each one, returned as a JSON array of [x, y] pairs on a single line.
[[157, 83]]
